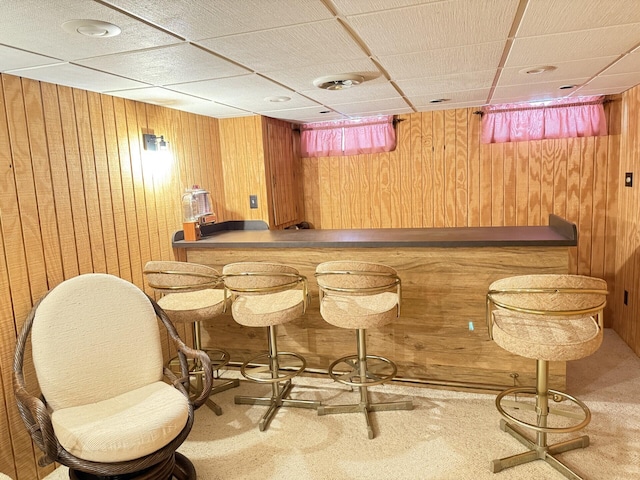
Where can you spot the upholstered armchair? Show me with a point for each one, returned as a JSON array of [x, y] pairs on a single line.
[[108, 408]]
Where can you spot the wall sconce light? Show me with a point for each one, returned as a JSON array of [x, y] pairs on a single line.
[[154, 142]]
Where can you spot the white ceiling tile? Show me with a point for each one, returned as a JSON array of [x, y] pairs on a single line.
[[450, 106], [353, 7], [444, 61], [157, 96], [76, 76], [213, 109], [12, 58], [447, 83], [375, 106], [568, 71], [36, 25], [199, 20], [471, 97], [621, 80], [302, 78], [288, 47], [242, 92], [531, 92], [166, 65], [566, 47], [379, 88], [305, 115], [552, 16], [588, 90], [435, 25], [627, 64]]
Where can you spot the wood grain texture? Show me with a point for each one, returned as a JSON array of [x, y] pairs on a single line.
[[443, 290]]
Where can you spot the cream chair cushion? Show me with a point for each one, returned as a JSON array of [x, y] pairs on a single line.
[[268, 309], [124, 427], [87, 348], [195, 306], [360, 311]]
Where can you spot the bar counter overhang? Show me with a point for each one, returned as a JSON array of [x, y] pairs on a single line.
[[441, 336]]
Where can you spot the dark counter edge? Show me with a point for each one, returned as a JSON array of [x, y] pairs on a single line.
[[562, 233]]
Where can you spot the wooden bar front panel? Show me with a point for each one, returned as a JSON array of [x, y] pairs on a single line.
[[443, 291]]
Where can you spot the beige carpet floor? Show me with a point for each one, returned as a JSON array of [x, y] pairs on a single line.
[[448, 436]]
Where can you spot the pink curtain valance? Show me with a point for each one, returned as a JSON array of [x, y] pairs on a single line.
[[563, 118], [348, 137]]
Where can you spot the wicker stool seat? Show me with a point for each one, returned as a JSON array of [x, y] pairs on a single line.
[[189, 296], [545, 318], [358, 296], [267, 295]]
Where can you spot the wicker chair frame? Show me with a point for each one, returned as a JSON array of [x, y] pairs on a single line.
[[163, 463]]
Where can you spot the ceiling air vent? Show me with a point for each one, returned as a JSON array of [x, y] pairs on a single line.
[[338, 82]]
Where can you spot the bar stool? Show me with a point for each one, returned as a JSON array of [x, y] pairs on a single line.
[[545, 318], [360, 295], [189, 296], [268, 295]]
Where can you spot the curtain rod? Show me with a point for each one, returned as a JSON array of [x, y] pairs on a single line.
[[520, 109], [395, 121]]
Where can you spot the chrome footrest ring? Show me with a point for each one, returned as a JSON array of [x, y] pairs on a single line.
[[261, 365], [346, 370], [556, 394]]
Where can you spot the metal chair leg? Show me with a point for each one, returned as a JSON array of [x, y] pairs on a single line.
[[540, 449], [280, 387]]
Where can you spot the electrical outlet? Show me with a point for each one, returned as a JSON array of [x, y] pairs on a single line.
[[628, 179], [253, 201]]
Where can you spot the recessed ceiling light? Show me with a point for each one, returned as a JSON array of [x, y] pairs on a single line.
[[537, 70], [92, 28], [439, 100], [278, 99], [338, 82]]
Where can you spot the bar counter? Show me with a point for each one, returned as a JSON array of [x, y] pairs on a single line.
[[441, 336]]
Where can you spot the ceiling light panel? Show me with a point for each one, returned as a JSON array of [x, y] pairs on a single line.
[[199, 20], [58, 43], [289, 47], [77, 77], [435, 25], [166, 65]]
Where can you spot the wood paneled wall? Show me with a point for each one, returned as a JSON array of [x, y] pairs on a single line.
[[627, 319], [440, 175], [78, 194]]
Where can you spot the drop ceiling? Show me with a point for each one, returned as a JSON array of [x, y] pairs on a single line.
[[230, 58]]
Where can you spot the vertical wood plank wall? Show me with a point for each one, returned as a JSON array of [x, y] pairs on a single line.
[[78, 194], [627, 319], [440, 175]]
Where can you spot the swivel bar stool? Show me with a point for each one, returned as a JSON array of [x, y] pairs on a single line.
[[190, 296], [268, 295], [360, 295], [546, 318]]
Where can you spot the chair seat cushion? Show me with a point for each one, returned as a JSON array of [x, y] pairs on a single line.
[[124, 427], [359, 311], [546, 338], [268, 309], [196, 306]]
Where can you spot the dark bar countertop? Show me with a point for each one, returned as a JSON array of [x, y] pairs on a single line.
[[254, 234]]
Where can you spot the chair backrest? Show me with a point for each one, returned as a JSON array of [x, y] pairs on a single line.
[[557, 295], [93, 337], [170, 277], [356, 278], [249, 278]]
